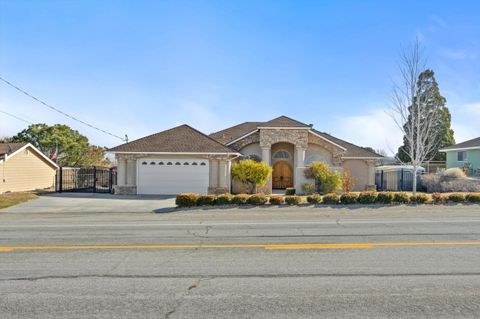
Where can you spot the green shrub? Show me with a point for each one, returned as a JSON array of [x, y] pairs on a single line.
[[328, 180], [257, 199], [206, 200], [348, 198], [277, 200], [290, 191], [251, 173], [401, 198], [367, 198], [331, 199], [240, 199], [224, 199], [473, 198], [308, 188], [186, 200], [293, 200], [384, 198], [456, 198], [438, 198], [418, 199], [314, 199]]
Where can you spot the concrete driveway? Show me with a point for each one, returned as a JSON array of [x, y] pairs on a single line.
[[94, 203]]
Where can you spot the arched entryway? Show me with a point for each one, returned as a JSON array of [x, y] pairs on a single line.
[[282, 175]]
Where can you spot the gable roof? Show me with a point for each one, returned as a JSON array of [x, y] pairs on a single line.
[[283, 121], [228, 135], [352, 150], [473, 143], [9, 148], [180, 139]]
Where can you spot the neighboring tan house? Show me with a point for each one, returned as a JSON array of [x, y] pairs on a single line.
[[24, 168], [183, 159], [466, 153]]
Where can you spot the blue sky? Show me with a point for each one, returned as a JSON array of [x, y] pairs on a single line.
[[139, 67]]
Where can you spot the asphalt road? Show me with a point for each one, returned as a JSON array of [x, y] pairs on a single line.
[[398, 262]]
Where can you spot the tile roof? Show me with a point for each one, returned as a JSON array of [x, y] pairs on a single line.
[[352, 149], [227, 135], [182, 138], [283, 121], [232, 133], [8, 148], [467, 144]]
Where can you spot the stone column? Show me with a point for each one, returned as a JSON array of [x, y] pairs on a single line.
[[266, 156], [121, 172], [299, 166], [131, 172]]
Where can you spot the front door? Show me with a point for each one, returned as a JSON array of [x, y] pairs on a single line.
[[282, 176]]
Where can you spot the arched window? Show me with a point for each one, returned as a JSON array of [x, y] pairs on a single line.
[[203, 164], [314, 158], [282, 154], [144, 163], [169, 163], [186, 163], [178, 163], [161, 163], [152, 163], [194, 164]]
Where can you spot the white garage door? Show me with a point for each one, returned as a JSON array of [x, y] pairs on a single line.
[[172, 176]]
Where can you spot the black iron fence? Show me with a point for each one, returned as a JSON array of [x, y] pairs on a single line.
[[85, 179], [396, 180]]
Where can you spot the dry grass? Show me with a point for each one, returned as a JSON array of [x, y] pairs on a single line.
[[10, 199]]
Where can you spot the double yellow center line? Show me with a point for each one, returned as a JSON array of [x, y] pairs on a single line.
[[242, 246]]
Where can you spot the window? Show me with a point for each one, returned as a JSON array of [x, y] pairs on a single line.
[[186, 163], [281, 154], [160, 163], [203, 164], [314, 158], [144, 163], [169, 163], [152, 163], [462, 156], [178, 163], [194, 164]]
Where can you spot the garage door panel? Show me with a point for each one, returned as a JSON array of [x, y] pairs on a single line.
[[156, 177]]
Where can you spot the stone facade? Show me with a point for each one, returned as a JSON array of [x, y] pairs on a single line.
[[297, 137], [252, 138]]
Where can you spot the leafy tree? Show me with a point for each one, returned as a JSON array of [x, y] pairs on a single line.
[[327, 180], [73, 147], [443, 134], [251, 173]]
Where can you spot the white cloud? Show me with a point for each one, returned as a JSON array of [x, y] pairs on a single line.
[[375, 129]]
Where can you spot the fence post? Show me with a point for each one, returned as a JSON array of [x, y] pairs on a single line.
[[401, 180], [381, 180], [110, 181], [94, 179], [60, 180]]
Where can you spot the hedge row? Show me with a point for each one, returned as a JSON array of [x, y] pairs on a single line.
[[365, 198]]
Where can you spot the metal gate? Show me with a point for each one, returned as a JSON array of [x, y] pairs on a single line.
[[85, 179]]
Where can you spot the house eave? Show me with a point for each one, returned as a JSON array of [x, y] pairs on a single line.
[[460, 149], [178, 153], [241, 137], [327, 140]]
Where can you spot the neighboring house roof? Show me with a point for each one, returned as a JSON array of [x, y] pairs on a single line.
[[8, 150], [236, 132], [470, 144], [180, 139]]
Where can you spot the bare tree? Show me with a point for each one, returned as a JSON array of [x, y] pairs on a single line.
[[412, 111]]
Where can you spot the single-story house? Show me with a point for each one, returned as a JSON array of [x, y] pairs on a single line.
[[465, 153], [183, 159], [24, 168]]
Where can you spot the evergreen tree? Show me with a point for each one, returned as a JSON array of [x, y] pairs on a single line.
[[436, 102]]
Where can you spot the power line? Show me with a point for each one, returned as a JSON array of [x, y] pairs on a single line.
[[61, 112], [16, 117]]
